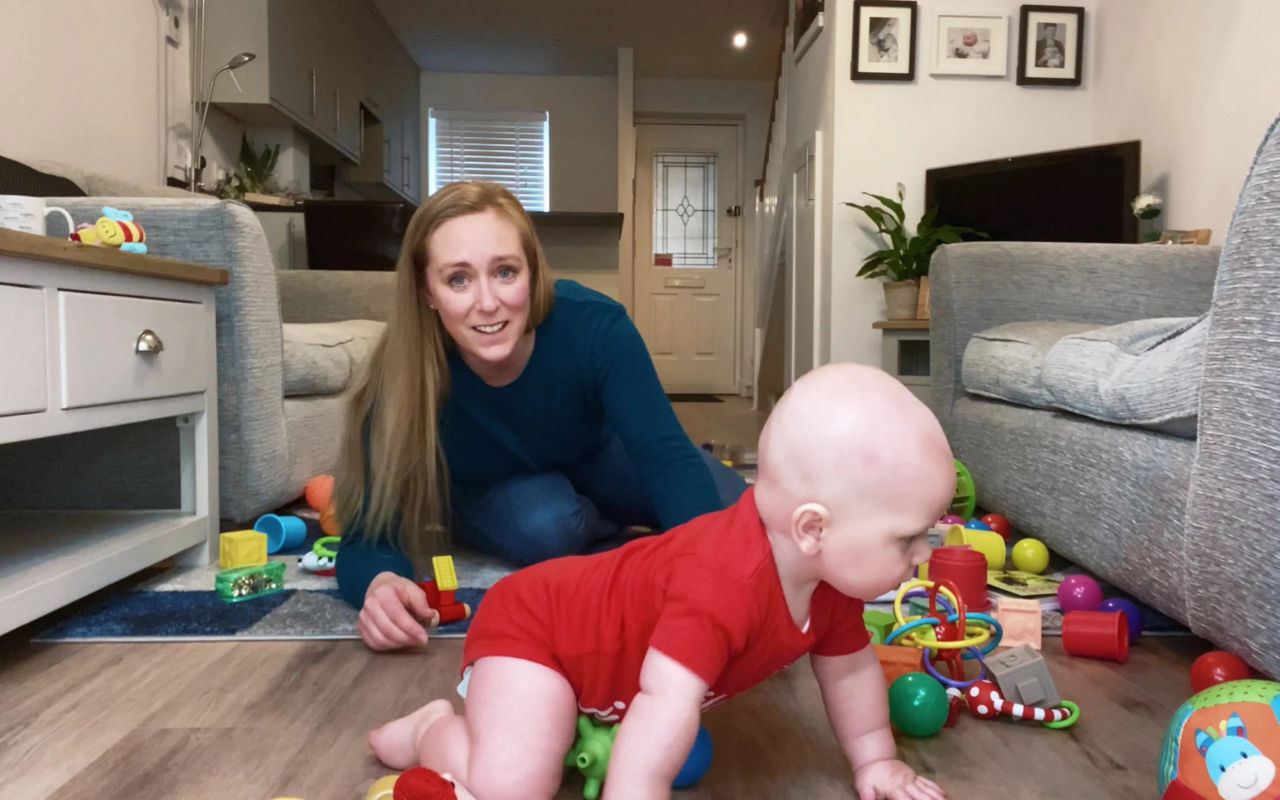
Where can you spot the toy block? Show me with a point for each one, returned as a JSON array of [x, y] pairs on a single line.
[[1023, 677], [243, 583], [879, 624], [442, 569], [897, 660], [242, 549], [1020, 620]]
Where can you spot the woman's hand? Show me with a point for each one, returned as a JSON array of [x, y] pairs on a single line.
[[393, 613]]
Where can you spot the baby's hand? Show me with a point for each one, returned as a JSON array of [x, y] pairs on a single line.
[[893, 780]]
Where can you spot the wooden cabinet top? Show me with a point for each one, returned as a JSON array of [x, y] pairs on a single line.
[[61, 251]]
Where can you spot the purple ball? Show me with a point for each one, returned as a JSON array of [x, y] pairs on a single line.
[[1079, 593], [951, 519], [1132, 614]]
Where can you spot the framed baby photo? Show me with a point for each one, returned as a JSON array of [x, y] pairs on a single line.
[[1050, 45], [970, 44], [884, 40], [807, 25]]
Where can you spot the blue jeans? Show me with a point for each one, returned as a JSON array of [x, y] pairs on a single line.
[[531, 518]]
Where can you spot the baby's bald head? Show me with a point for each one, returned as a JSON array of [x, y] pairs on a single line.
[[851, 436]]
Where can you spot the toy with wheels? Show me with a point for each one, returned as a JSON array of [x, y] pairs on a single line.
[[590, 755], [1223, 744]]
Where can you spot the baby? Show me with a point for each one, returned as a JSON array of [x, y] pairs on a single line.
[[853, 470]]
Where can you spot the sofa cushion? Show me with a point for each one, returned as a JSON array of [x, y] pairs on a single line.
[[1145, 373], [1005, 362], [323, 357]]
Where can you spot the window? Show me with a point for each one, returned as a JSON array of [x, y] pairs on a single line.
[[684, 208], [507, 147]]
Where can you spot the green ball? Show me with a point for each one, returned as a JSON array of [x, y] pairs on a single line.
[[917, 704]]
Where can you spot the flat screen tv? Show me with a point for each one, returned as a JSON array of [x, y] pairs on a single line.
[[1079, 195]]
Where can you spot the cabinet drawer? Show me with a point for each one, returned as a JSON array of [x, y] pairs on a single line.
[[22, 356], [99, 337]]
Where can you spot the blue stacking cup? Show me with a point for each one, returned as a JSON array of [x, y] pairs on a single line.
[[283, 530]]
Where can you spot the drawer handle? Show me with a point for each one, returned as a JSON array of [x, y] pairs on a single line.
[[148, 342]]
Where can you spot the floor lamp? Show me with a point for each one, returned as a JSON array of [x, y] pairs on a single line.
[[197, 168]]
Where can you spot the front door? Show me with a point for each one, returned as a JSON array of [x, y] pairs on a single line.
[[686, 259]]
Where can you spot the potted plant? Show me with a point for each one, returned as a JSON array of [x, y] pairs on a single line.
[[905, 258], [254, 173]]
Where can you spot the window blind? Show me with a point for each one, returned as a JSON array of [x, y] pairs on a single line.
[[507, 147]]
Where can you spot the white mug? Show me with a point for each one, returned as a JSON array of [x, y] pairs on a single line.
[[23, 213]]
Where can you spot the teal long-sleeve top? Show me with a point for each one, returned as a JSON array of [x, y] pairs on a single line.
[[589, 376]]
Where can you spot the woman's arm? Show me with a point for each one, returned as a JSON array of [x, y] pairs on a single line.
[[359, 562], [673, 472]]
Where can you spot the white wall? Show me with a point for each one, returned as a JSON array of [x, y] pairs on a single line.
[[1198, 83], [889, 132], [747, 101], [583, 117], [86, 83]]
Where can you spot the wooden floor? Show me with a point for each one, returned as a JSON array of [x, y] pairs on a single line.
[[257, 720]]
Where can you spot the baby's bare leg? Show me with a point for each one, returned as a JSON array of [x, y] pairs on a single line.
[[512, 741]]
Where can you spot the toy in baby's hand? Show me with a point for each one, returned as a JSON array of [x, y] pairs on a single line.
[[115, 228]]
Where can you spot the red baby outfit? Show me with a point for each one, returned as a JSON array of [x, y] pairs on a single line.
[[705, 593]]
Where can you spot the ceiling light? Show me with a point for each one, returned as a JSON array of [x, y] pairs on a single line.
[[740, 40]]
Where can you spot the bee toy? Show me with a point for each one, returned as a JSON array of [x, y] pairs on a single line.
[[115, 228]]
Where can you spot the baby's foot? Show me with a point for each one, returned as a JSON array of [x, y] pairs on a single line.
[[396, 743]]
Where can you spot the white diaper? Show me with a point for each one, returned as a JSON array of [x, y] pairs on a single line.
[[466, 679]]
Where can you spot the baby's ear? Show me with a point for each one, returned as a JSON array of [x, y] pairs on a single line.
[[808, 525]]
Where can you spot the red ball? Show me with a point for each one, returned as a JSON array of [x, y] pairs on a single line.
[[998, 523], [1217, 666]]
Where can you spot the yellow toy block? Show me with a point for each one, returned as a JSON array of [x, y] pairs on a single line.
[[442, 571], [242, 549]]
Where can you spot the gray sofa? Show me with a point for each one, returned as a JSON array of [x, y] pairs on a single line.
[[1187, 523], [289, 344]]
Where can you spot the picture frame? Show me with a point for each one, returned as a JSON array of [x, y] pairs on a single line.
[[808, 24], [1050, 45], [970, 44], [884, 40]]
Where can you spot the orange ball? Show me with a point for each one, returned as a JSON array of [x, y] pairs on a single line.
[[328, 522], [319, 491]]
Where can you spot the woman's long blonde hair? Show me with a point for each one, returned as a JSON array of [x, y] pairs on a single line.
[[392, 480]]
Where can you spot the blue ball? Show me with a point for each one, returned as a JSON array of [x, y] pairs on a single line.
[[697, 762], [977, 525], [1132, 614]]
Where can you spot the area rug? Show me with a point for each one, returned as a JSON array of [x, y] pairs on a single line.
[[179, 604]]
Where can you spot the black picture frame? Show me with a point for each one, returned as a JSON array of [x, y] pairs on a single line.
[[877, 37], [1050, 56]]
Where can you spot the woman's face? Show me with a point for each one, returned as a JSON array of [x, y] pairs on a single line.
[[477, 278]]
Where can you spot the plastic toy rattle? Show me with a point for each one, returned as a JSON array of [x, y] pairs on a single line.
[[985, 701], [320, 561], [957, 633]]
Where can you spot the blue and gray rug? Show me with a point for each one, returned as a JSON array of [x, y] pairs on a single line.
[[180, 604]]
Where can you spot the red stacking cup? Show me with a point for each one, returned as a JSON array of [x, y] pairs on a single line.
[[967, 569], [1096, 634]]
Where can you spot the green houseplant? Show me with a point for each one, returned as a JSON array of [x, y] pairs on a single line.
[[254, 173], [904, 259]]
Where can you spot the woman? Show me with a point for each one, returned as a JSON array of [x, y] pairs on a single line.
[[522, 415]]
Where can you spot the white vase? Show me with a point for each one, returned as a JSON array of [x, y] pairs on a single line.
[[900, 298]]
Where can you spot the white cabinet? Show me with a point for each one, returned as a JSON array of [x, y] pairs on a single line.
[[78, 317], [22, 390], [318, 62]]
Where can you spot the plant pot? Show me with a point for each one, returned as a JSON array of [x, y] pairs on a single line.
[[900, 299]]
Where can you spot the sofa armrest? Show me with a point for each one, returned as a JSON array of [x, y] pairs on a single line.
[[308, 295], [253, 446], [978, 285]]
